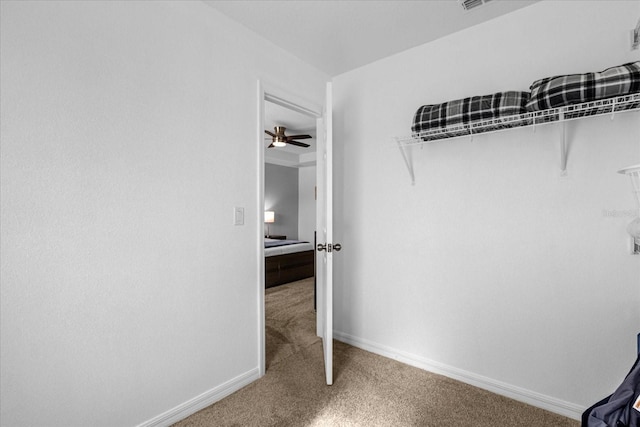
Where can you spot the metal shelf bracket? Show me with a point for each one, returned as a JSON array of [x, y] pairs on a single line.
[[563, 146], [408, 159]]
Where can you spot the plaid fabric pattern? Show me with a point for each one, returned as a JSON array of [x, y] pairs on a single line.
[[558, 91], [467, 110]]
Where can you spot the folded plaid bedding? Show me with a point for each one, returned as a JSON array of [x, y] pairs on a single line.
[[467, 110], [558, 91]]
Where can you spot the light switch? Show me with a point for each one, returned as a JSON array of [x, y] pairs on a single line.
[[238, 216]]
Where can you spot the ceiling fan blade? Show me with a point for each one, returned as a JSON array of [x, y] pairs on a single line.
[[273, 135], [299, 144], [299, 137], [270, 145]]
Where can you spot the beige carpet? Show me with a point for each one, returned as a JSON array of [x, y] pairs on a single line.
[[368, 390]]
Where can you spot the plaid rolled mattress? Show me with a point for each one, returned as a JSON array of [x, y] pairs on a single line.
[[468, 110], [558, 91]]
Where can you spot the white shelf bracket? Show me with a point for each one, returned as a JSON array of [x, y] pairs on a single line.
[[563, 145], [408, 160], [613, 109]]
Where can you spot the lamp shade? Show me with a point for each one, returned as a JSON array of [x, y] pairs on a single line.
[[269, 217]]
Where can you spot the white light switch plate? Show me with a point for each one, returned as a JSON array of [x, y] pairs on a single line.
[[238, 216]]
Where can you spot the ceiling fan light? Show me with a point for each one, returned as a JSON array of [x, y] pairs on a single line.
[[279, 141]]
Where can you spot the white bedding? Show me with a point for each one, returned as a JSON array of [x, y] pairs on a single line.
[[287, 249]]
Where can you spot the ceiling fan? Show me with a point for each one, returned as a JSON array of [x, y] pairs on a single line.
[[279, 139]]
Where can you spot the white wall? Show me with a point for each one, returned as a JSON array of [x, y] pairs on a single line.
[[492, 268], [127, 139], [306, 203], [281, 196]]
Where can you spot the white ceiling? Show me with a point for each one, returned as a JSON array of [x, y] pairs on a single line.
[[338, 36]]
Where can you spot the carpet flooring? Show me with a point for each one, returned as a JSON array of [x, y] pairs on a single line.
[[368, 390]]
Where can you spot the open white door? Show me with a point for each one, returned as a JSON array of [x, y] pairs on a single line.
[[324, 235]]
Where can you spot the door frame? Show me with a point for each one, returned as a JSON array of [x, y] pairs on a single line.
[[267, 92]]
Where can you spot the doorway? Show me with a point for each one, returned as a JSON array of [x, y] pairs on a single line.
[[277, 108]]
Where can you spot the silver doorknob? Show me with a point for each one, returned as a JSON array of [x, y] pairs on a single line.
[[329, 247]]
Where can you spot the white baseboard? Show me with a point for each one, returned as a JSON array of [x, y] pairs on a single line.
[[207, 398], [529, 397]]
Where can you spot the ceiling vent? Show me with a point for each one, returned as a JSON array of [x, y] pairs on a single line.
[[472, 4]]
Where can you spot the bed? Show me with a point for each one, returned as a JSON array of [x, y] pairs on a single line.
[[287, 261]]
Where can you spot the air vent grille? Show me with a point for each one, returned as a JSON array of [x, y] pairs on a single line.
[[471, 4]]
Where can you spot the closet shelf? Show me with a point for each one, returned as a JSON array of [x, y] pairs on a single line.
[[562, 115], [554, 115]]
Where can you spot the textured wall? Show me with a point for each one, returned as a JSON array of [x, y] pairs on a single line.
[[281, 196], [127, 139], [307, 203], [492, 266]]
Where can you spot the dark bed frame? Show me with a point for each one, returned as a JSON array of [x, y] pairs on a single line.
[[281, 269]]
